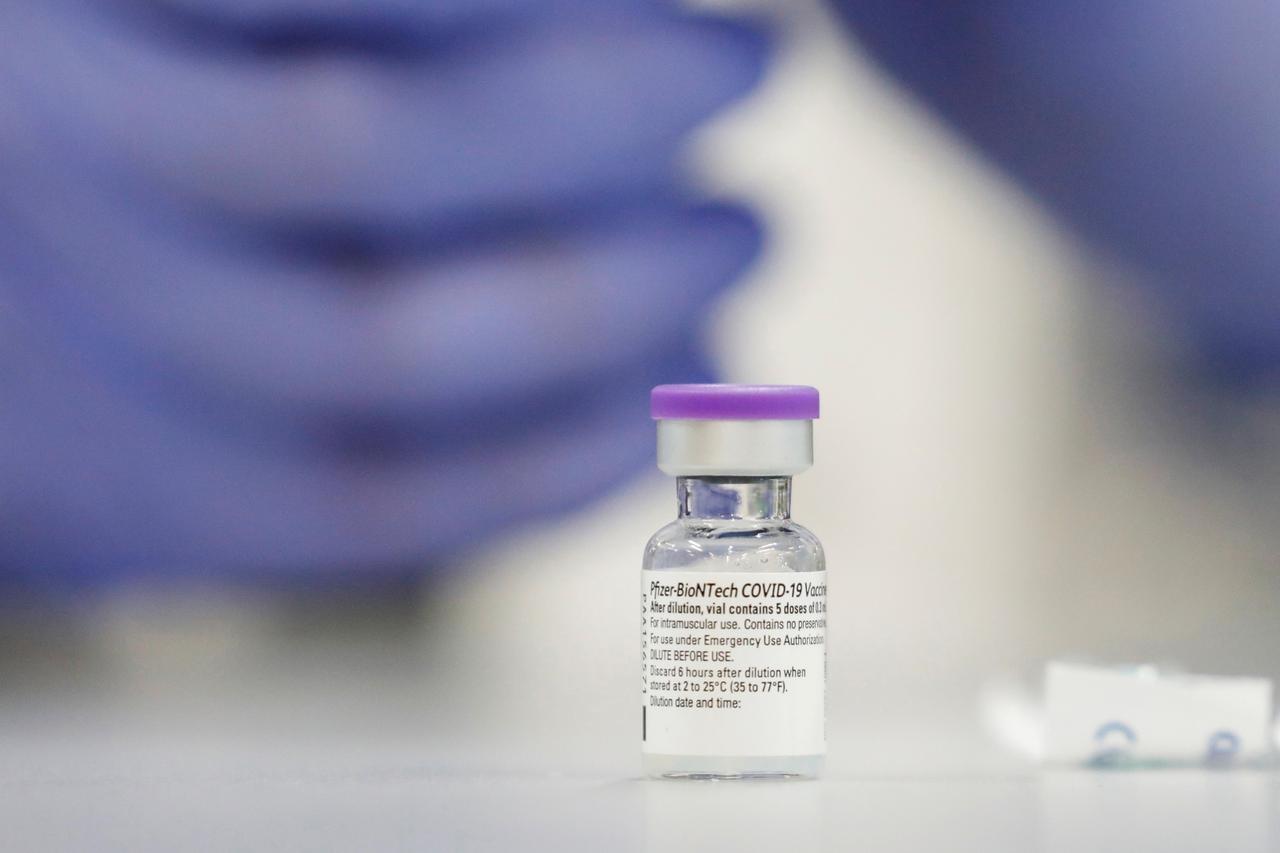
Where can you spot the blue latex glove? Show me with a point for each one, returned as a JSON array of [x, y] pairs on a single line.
[[1151, 126], [308, 288]]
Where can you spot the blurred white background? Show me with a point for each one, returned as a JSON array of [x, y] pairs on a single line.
[[1008, 470]]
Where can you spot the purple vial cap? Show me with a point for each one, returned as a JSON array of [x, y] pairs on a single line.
[[734, 402]]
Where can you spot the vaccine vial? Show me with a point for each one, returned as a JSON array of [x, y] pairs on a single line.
[[733, 599]]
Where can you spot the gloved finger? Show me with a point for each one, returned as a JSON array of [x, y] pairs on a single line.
[[514, 315], [517, 121], [418, 16], [97, 483]]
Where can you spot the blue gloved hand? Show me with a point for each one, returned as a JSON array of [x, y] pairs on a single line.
[[307, 288], [1153, 128]]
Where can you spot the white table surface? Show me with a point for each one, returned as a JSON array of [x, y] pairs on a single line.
[[112, 791]]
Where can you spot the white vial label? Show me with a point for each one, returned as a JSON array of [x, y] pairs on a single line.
[[735, 663]]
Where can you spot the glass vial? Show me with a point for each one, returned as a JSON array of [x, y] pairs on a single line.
[[733, 595]]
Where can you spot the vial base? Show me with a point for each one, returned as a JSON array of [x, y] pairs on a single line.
[[719, 768]]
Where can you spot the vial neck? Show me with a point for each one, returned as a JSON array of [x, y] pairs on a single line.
[[748, 498]]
